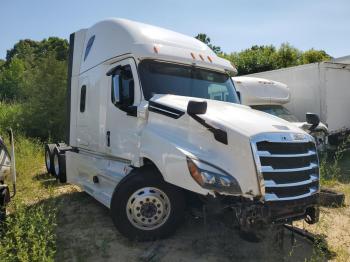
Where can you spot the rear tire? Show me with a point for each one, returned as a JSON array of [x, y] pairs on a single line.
[[56, 162], [62, 177], [49, 151], [144, 207]]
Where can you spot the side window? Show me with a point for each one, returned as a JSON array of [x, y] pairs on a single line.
[[82, 98], [88, 46], [122, 91]]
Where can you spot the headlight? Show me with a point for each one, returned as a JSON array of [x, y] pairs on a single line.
[[212, 178]]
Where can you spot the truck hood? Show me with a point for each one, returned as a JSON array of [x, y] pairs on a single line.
[[230, 116]]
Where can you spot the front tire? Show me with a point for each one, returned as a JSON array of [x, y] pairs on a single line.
[[144, 207]]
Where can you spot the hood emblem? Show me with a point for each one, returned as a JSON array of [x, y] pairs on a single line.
[[298, 137]]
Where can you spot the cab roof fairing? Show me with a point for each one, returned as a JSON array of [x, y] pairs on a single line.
[[115, 37]]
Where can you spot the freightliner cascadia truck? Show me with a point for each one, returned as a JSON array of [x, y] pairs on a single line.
[[147, 138]]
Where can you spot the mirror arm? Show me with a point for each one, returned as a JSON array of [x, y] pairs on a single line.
[[131, 110], [219, 134]]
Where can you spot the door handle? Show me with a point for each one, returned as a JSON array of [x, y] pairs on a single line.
[[108, 138]]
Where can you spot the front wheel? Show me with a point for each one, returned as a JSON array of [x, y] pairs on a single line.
[[147, 208]]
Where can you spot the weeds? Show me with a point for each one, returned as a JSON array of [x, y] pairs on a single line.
[[330, 168], [28, 234]]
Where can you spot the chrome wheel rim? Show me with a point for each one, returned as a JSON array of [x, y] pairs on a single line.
[[56, 165], [148, 208], [47, 159]]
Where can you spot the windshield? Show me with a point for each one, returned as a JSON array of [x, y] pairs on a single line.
[[277, 110], [165, 78]]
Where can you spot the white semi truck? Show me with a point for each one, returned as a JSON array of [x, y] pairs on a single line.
[[321, 88], [146, 137], [271, 97]]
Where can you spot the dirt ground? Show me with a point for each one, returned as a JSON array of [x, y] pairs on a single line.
[[85, 232]]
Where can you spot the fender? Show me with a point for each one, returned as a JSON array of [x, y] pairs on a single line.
[[170, 160]]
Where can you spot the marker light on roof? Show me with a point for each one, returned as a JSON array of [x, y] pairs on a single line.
[[211, 61], [155, 49], [201, 57], [193, 56]]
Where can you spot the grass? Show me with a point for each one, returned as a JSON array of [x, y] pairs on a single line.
[[28, 234]]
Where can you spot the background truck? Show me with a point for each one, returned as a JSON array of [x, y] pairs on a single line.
[[147, 137], [7, 168], [270, 97], [321, 88]]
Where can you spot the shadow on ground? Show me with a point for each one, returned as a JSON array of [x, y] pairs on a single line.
[[85, 232]]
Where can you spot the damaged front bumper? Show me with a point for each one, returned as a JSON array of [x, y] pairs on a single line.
[[251, 213]]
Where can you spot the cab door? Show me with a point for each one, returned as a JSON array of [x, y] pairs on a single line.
[[123, 97]]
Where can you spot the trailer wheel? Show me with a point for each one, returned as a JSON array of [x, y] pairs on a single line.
[[144, 207], [49, 148]]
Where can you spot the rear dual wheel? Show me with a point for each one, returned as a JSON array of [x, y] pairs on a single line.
[[49, 148], [55, 162]]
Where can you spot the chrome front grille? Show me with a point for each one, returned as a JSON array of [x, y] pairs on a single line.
[[287, 165]]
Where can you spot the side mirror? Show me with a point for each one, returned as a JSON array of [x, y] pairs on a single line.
[[116, 89], [313, 120], [196, 108]]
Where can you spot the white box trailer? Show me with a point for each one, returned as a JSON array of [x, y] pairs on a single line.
[[146, 135], [321, 88]]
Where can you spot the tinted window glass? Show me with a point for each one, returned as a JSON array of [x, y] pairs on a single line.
[[166, 78], [88, 46], [82, 98]]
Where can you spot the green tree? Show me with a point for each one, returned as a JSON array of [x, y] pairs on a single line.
[[45, 109], [254, 59], [287, 55], [20, 61], [206, 40], [12, 80], [314, 56], [263, 58], [23, 50]]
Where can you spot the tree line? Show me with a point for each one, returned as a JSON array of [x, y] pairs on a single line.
[[267, 57], [33, 80]]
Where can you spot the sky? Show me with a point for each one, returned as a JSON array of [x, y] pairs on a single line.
[[233, 25]]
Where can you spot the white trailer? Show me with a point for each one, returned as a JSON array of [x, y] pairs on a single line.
[[322, 88], [146, 135], [271, 96]]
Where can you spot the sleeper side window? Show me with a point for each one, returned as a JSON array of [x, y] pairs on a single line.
[[82, 98], [122, 91], [88, 46]]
